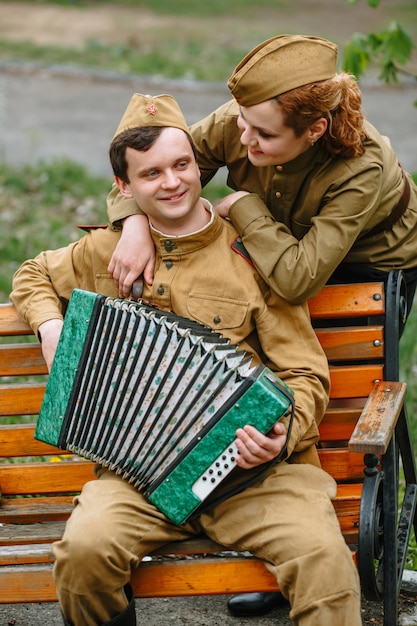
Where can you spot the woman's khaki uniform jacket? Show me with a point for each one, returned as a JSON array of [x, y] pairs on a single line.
[[305, 217], [198, 276]]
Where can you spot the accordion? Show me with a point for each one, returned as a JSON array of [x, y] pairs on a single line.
[[156, 398]]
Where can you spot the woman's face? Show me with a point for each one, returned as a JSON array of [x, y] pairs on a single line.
[[268, 140]]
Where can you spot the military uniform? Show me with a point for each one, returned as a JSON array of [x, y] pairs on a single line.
[[305, 217], [286, 513]]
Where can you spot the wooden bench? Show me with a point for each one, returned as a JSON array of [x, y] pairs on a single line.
[[364, 441]]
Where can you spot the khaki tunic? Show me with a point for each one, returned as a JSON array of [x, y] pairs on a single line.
[[198, 276], [282, 517], [307, 216]]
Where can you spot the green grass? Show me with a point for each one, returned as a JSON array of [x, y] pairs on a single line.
[[408, 373], [190, 40], [185, 59], [40, 207], [179, 7], [189, 43], [190, 59], [408, 361]]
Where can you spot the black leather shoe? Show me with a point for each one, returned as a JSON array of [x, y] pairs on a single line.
[[248, 604]]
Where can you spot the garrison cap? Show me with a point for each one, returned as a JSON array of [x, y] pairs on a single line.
[[281, 64], [148, 110]]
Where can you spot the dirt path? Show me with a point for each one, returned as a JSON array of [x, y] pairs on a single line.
[[68, 26]]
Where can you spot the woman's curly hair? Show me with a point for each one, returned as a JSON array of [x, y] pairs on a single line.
[[338, 100]]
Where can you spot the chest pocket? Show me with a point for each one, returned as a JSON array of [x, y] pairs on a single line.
[[218, 313]]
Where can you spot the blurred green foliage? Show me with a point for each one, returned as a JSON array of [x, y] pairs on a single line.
[[194, 49]]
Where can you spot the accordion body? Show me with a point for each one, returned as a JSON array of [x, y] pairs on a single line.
[[154, 397]]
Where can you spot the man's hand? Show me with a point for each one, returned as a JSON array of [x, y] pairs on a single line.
[[223, 205], [49, 333], [133, 256], [256, 448]]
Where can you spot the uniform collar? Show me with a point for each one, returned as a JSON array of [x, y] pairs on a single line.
[[307, 160], [171, 245]]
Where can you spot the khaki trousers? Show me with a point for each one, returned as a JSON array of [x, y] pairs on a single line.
[[287, 519]]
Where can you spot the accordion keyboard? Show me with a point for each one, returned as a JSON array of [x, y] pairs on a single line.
[[215, 473]]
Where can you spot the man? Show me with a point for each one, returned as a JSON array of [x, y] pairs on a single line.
[[203, 273]]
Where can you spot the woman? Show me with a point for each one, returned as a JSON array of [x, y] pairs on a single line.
[[320, 194]]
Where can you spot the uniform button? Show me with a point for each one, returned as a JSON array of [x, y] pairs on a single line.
[[169, 245], [279, 168], [278, 194], [216, 320], [169, 264], [161, 290]]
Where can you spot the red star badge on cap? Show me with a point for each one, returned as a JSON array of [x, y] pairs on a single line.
[[152, 109]]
